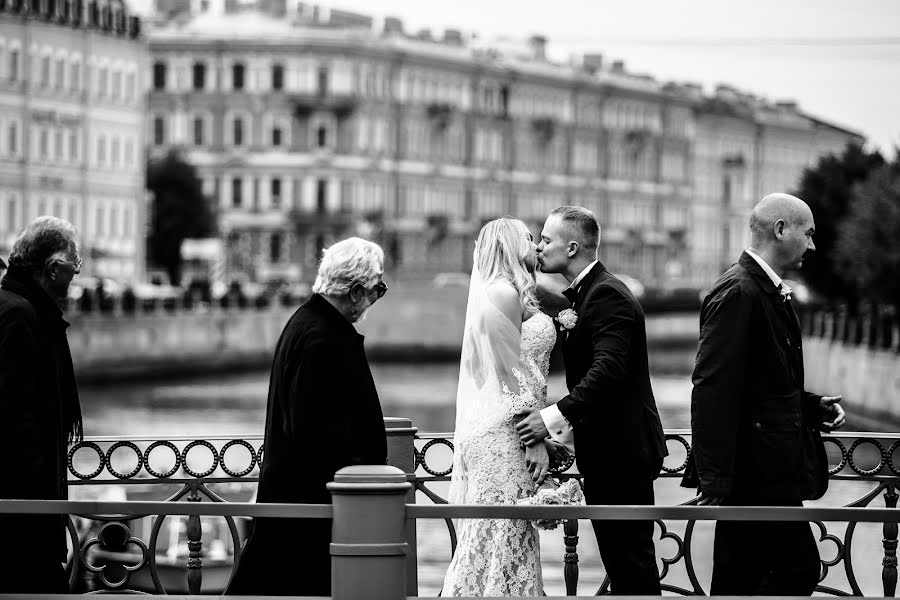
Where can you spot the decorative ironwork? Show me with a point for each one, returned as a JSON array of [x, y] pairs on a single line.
[[110, 551]]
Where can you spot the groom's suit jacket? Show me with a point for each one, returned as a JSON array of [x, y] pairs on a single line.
[[754, 427], [610, 404]]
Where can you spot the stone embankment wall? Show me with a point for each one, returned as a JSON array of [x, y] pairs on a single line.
[[856, 357], [400, 327]]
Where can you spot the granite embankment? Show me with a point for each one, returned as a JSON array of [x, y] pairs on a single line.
[[403, 327]]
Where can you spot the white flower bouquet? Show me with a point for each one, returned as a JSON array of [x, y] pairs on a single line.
[[552, 493]]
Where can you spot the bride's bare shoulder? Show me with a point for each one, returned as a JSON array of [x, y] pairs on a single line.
[[505, 297]]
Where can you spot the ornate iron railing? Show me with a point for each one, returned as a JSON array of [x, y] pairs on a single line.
[[118, 552]]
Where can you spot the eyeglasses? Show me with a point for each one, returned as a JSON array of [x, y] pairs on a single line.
[[381, 289], [77, 264]]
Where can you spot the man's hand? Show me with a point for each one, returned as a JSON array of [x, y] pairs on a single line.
[[538, 462], [706, 500], [530, 427], [556, 451], [832, 413]]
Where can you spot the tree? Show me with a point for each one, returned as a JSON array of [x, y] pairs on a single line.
[[828, 189], [179, 211], [867, 248]]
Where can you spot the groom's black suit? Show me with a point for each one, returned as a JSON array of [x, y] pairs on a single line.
[[619, 440]]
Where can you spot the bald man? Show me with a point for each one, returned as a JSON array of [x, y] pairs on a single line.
[[756, 431]]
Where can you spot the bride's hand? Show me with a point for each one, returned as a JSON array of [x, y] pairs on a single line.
[[538, 462]]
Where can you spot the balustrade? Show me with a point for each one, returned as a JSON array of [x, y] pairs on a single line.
[[136, 550]]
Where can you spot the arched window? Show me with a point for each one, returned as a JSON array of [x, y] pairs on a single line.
[[237, 76]]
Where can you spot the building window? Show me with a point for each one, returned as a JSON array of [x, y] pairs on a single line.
[[199, 76], [99, 223], [117, 85], [14, 65], [159, 75], [129, 153], [44, 144], [13, 138], [114, 151], [322, 136], [275, 196], [60, 73], [101, 150], [275, 248], [102, 82], [73, 146], [277, 77], [237, 76], [75, 77], [58, 144], [45, 71], [322, 81], [198, 131], [130, 91], [12, 214], [276, 136], [237, 192], [238, 131], [159, 131], [321, 196]]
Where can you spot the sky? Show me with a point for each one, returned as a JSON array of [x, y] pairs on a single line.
[[839, 59]]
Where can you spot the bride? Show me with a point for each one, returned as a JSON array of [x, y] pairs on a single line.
[[503, 370]]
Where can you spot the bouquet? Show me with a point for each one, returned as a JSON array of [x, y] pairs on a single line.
[[552, 493]]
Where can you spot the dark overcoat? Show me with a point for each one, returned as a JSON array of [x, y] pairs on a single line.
[[755, 429], [610, 404], [323, 414], [39, 410]]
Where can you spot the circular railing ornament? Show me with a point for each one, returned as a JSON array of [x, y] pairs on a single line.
[[867, 472], [237, 442], [687, 454], [190, 471], [174, 450], [421, 458], [137, 467], [96, 448]]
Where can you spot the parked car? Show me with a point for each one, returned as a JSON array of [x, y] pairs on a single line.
[[442, 280]]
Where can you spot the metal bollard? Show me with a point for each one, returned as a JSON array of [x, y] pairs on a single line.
[[369, 548]]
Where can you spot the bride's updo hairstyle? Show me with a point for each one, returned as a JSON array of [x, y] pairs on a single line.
[[500, 252]]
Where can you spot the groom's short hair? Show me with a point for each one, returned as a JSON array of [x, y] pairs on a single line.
[[582, 226]]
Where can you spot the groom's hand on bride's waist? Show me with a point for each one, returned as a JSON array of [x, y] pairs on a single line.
[[530, 427]]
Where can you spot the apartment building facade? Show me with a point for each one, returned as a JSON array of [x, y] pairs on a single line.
[[72, 126]]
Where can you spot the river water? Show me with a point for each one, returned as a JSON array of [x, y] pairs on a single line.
[[235, 404]]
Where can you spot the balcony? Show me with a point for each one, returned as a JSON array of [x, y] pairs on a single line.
[[341, 104], [193, 480]]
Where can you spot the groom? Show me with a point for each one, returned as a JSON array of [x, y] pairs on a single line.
[[610, 409]]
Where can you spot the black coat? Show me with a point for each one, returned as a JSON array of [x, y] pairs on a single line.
[[39, 410], [323, 414], [610, 403], [754, 427]]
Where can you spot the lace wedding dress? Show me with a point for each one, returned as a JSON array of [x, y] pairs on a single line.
[[499, 557]]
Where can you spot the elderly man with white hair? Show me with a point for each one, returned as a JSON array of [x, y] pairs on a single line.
[[756, 431], [39, 409], [323, 414]]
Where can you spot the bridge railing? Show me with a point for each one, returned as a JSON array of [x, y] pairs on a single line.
[[176, 554]]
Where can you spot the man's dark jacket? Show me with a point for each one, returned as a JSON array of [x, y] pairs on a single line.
[[39, 411], [610, 403], [323, 414], [755, 429]]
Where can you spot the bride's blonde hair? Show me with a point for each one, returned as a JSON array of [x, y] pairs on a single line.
[[500, 252]]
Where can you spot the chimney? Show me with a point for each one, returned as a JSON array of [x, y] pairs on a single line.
[[538, 46], [789, 105], [453, 37], [592, 62], [393, 25], [618, 66]]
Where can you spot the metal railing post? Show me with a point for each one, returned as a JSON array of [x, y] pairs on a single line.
[[369, 548], [401, 437], [570, 570], [889, 542]]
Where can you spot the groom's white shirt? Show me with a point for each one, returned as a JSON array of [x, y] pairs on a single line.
[[559, 428], [767, 269]]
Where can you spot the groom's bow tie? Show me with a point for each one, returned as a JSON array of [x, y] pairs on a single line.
[[571, 294]]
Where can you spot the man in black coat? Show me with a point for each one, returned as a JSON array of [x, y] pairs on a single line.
[[610, 408], [756, 437], [323, 414], [39, 409]]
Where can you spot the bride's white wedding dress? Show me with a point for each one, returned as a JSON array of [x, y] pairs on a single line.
[[499, 557]]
